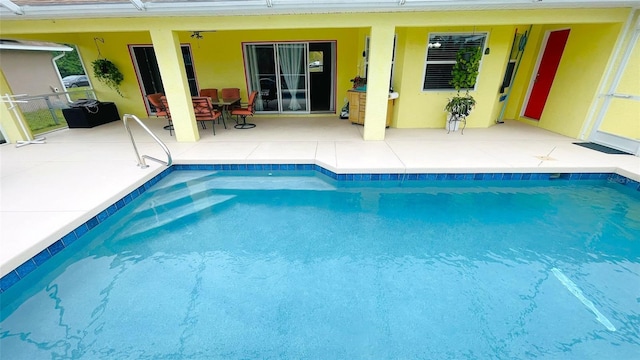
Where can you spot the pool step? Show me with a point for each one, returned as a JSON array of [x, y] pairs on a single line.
[[197, 192], [196, 186], [177, 194], [183, 178], [152, 218], [172, 201], [220, 182]]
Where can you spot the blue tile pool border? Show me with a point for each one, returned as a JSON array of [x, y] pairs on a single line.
[[28, 266]]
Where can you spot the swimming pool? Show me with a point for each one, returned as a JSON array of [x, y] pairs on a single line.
[[296, 265]]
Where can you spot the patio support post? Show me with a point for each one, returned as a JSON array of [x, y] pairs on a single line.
[[378, 75], [9, 124], [174, 80]]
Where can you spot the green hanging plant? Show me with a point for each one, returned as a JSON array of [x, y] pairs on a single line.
[[465, 71], [464, 75], [107, 72]]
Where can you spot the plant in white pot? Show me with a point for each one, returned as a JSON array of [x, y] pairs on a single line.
[[464, 72]]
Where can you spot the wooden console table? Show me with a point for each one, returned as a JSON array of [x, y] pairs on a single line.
[[357, 103]]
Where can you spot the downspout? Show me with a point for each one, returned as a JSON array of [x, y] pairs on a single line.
[[521, 46], [55, 66]]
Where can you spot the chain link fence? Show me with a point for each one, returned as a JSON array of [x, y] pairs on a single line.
[[43, 113]]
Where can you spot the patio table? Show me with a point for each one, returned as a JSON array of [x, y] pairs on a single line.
[[224, 104]]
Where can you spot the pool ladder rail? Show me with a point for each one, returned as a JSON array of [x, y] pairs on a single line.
[[141, 162]]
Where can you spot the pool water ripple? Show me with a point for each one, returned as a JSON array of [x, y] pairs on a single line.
[[323, 271]]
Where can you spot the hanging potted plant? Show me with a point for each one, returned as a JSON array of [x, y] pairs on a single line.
[[465, 73], [107, 72]]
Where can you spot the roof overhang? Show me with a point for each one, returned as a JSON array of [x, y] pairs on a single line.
[[69, 9], [11, 44]]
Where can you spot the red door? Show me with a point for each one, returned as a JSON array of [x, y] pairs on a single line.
[[546, 72]]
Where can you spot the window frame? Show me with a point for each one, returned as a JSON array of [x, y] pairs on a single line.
[[443, 35]]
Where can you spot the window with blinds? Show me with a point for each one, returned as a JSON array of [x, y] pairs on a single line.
[[441, 56]]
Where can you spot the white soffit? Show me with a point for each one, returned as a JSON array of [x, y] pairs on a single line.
[[11, 44], [61, 9]]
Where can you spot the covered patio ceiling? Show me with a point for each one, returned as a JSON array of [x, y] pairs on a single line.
[[68, 9]]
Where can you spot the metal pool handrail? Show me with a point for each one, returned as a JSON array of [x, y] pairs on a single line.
[[141, 163]]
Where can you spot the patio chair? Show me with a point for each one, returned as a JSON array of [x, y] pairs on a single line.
[[244, 112], [267, 92], [165, 106], [230, 93], [161, 109], [212, 93], [204, 111]]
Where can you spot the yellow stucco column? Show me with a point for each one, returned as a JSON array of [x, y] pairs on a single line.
[[10, 124], [174, 80], [380, 56]]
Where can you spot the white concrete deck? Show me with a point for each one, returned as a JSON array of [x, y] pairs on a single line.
[[47, 190]]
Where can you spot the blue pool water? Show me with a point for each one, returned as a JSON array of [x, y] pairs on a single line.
[[286, 265]]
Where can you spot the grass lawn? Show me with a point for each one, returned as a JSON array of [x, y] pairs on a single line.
[[78, 92], [41, 120]]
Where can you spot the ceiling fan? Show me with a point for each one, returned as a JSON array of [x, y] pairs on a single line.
[[198, 35]]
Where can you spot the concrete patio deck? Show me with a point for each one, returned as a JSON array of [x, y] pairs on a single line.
[[47, 190]]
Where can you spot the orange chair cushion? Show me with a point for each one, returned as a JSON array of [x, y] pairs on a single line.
[[241, 112], [203, 110]]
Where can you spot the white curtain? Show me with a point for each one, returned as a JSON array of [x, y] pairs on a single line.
[[291, 56], [254, 73]]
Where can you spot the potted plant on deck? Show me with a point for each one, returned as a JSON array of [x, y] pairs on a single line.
[[464, 72]]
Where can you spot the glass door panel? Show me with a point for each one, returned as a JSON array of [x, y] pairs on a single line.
[[294, 98], [279, 72], [190, 70], [261, 72], [148, 73], [292, 65]]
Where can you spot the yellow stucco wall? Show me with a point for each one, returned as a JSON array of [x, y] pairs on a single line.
[[623, 115], [219, 60], [630, 80], [623, 118], [522, 78], [424, 109], [9, 123], [380, 57], [584, 60], [218, 56], [581, 68], [316, 21], [491, 76]]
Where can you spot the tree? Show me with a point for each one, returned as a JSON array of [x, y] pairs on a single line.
[[69, 64]]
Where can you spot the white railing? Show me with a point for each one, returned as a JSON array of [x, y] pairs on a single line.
[[141, 163]]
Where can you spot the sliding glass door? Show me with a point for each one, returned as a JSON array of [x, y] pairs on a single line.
[[148, 73], [280, 72], [292, 58], [260, 67]]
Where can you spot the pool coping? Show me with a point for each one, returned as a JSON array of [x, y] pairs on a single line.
[[18, 272]]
